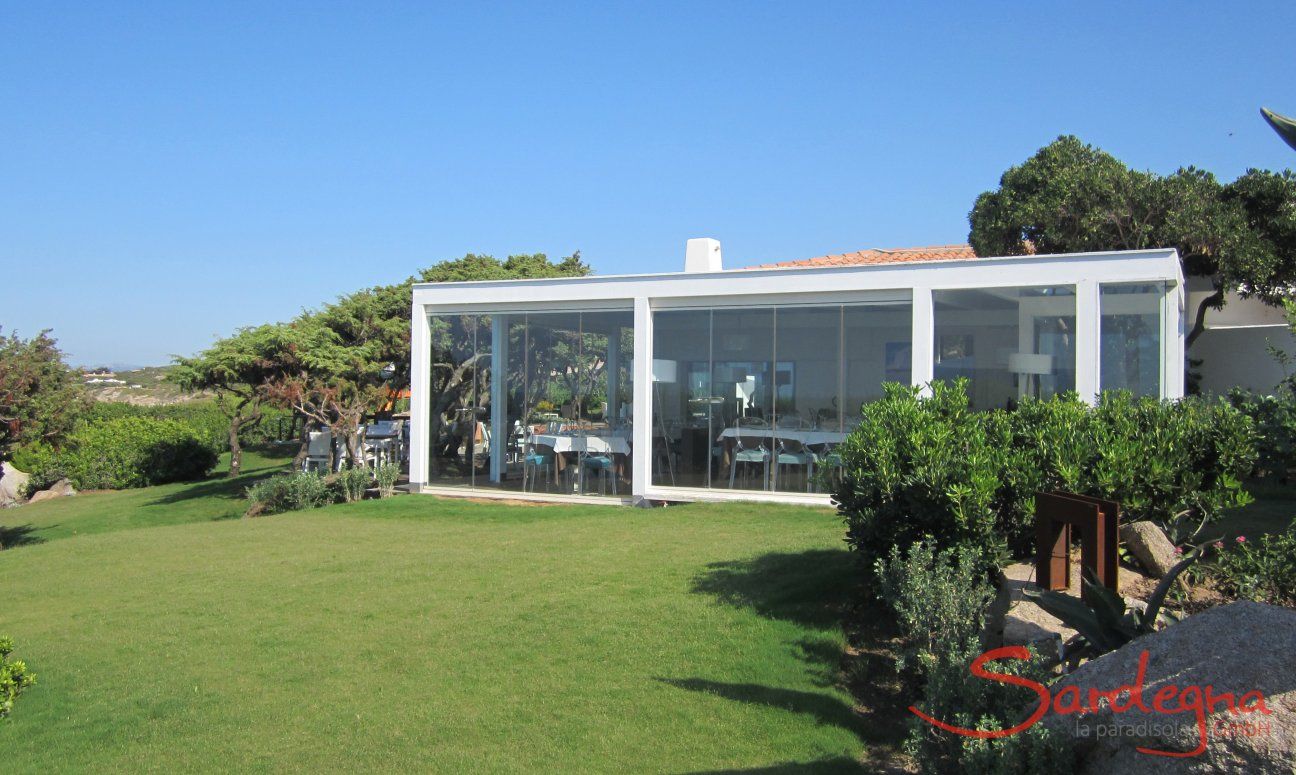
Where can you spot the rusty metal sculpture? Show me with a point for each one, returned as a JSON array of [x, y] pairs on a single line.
[[1057, 515]]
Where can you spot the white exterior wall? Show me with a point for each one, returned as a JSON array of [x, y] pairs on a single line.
[[827, 285], [1239, 357]]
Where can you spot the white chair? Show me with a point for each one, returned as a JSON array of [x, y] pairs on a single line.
[[317, 450]]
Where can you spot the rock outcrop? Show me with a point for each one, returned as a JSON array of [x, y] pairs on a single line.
[[61, 489], [12, 485], [1243, 649]]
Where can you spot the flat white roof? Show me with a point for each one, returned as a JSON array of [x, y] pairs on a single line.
[[862, 280]]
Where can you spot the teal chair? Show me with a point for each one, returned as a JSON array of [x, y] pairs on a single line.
[[537, 460], [749, 451], [794, 454], [602, 466]]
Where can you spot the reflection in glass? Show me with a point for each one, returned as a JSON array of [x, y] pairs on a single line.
[[1008, 342], [751, 398], [458, 399], [1131, 338]]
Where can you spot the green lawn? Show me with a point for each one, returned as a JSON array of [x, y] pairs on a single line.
[[425, 634]]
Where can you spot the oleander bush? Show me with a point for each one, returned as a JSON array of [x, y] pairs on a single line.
[[14, 677], [352, 482], [289, 492], [930, 466], [124, 453], [1263, 570], [386, 476]]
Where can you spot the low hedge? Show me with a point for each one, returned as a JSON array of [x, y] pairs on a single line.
[[205, 417], [124, 453], [930, 466]]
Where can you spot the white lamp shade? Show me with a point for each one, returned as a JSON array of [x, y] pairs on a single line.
[[1030, 363], [663, 371]]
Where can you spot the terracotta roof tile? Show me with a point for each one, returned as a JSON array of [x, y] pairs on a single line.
[[880, 256]]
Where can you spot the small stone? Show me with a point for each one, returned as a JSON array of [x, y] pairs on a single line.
[[1149, 545]]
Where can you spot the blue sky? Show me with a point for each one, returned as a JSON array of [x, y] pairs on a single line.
[[172, 171]]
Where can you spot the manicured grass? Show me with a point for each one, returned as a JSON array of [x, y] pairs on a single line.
[[422, 634], [171, 504]]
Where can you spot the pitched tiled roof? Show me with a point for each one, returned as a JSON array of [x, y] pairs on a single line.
[[880, 256]]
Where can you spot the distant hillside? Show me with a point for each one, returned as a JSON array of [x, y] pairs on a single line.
[[145, 386]]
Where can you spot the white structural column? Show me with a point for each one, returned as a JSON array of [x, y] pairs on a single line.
[[1172, 333], [499, 395], [420, 364], [1088, 341], [641, 461], [924, 337]]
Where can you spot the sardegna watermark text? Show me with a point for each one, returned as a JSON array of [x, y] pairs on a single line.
[[1248, 710]]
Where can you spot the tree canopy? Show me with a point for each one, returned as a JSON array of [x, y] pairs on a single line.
[[40, 396], [349, 358], [237, 369], [1071, 197]]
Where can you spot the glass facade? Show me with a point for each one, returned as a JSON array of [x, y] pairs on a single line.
[[747, 396], [1008, 342], [1131, 337], [565, 397], [755, 398]]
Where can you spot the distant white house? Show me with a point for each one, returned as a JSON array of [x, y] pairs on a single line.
[[714, 384]]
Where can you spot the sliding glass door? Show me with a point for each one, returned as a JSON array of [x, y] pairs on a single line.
[[756, 398]]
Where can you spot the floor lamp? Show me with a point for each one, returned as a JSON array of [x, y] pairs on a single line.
[[1027, 365], [663, 371]]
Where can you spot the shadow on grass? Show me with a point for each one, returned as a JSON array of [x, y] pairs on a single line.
[[832, 764], [824, 708], [12, 536], [819, 589], [219, 486], [811, 588]]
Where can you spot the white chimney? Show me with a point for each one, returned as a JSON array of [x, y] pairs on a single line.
[[702, 255]]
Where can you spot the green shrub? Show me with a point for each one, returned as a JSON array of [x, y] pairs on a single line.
[[353, 482], [14, 677], [386, 476], [205, 417], [940, 597], [1274, 417], [1263, 570], [930, 466], [128, 452], [288, 492]]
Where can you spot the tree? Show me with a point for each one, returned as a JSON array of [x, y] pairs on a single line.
[[237, 369], [40, 397], [1072, 197]]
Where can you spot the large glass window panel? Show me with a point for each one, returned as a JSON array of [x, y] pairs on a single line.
[[687, 413], [807, 380], [570, 396], [877, 347], [1008, 342], [458, 399], [1131, 337], [515, 422], [745, 377]]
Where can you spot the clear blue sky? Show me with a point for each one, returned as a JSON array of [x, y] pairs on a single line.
[[171, 171]]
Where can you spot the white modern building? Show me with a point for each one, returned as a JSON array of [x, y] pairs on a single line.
[[710, 384]]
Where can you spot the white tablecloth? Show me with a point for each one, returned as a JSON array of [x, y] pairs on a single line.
[[808, 437], [598, 444]]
